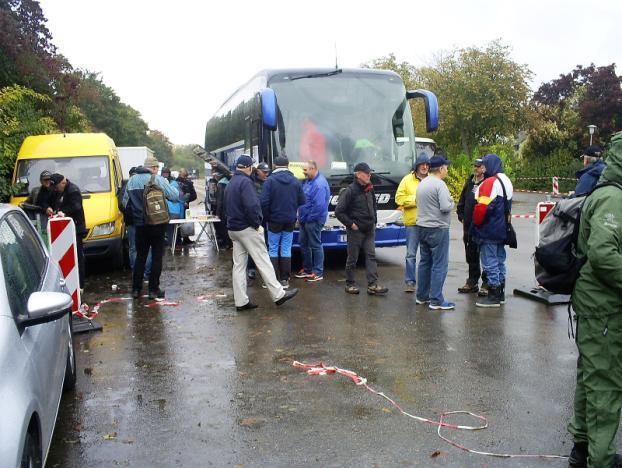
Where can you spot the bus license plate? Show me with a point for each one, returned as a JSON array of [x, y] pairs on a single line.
[[343, 238]]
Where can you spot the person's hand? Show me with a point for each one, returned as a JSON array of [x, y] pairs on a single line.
[[49, 211], [354, 227]]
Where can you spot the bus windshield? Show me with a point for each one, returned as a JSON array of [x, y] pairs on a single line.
[[344, 119], [90, 173]]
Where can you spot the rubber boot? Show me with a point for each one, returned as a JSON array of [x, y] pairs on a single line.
[[493, 299], [275, 265]]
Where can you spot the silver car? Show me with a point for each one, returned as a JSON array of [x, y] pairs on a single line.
[[37, 359]]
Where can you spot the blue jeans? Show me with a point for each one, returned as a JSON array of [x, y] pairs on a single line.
[[493, 262], [412, 244], [310, 237], [280, 243], [131, 236], [433, 265]]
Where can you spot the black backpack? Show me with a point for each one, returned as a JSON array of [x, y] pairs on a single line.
[[556, 259]]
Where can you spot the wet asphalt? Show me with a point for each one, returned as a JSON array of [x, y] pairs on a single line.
[[199, 384]]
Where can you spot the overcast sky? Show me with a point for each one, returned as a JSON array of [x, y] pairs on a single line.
[[176, 62]]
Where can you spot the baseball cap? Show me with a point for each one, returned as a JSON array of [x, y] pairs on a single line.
[[244, 161], [263, 167], [363, 167], [45, 175], [57, 178], [478, 162], [594, 151], [439, 160]]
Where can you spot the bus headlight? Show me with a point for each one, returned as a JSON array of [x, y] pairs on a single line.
[[103, 229]]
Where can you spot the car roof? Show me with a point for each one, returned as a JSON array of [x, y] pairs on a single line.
[[6, 207]]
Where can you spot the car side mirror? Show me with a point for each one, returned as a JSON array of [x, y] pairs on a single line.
[[268, 108], [46, 307]]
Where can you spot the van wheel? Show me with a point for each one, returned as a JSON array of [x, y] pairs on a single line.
[[70, 367], [31, 454]]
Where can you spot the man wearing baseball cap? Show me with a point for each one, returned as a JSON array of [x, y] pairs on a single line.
[[244, 218], [356, 210], [593, 166], [434, 207]]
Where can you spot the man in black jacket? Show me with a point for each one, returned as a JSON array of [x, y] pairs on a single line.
[[67, 199], [244, 224], [189, 194], [465, 216], [356, 210]]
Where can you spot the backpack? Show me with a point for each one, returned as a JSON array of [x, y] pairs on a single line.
[[556, 259], [155, 206]]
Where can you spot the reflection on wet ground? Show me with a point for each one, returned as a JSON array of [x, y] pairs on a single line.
[[201, 384]]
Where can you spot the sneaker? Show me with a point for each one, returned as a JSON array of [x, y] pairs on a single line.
[[158, 294], [252, 274], [285, 284], [248, 306], [352, 289], [468, 288], [375, 290], [302, 274], [263, 285], [483, 290], [313, 278], [422, 301], [289, 294], [410, 288], [493, 299], [444, 306]]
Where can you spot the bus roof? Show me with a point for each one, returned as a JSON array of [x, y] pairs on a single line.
[[65, 144]]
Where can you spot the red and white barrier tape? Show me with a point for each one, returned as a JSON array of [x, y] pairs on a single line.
[[322, 369], [544, 178], [88, 313], [525, 216], [542, 193]]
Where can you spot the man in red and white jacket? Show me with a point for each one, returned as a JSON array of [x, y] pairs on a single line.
[[489, 228]]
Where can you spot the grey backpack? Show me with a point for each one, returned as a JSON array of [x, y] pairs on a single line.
[[155, 206]]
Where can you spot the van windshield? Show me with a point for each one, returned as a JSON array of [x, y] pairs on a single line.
[[90, 173]]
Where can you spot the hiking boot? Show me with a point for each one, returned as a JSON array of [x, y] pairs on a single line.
[[468, 288], [312, 278], [288, 295], [483, 290], [578, 455], [302, 274], [352, 289], [248, 306], [375, 290], [157, 294], [446, 305], [410, 287], [493, 299]]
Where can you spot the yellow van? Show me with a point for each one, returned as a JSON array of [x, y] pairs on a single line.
[[90, 161]]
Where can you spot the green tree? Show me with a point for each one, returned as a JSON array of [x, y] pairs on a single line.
[[183, 156], [23, 112], [162, 146]]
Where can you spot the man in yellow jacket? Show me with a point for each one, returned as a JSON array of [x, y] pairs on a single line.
[[406, 198]]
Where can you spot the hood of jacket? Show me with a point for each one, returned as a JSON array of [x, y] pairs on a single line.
[[493, 165], [613, 171], [594, 169], [283, 176]]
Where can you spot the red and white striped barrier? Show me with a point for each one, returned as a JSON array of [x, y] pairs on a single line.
[[524, 216], [62, 239], [555, 185]]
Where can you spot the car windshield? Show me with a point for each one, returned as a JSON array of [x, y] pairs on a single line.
[[90, 173], [344, 119]]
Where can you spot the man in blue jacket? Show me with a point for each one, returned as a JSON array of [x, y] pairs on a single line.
[[593, 166], [280, 198], [312, 216], [244, 220], [147, 236]]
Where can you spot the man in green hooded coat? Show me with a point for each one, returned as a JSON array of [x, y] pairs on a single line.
[[597, 300]]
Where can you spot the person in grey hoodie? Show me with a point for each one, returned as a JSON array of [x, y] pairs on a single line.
[[434, 207]]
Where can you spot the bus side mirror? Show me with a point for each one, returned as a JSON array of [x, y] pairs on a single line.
[[431, 107], [268, 108]]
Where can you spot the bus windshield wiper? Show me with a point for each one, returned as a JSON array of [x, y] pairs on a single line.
[[317, 75]]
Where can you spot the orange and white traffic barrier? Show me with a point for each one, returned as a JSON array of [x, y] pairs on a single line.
[[542, 209], [62, 239]]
